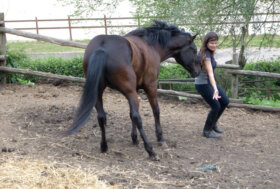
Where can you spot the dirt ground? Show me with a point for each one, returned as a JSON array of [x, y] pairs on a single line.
[[247, 156]]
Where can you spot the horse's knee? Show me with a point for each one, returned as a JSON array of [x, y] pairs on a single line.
[[156, 111], [136, 119]]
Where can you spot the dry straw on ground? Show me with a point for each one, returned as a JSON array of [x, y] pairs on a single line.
[[29, 174]]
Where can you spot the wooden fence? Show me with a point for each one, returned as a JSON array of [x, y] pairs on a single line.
[[105, 23], [4, 69]]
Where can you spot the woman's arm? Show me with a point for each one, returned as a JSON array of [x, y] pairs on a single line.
[[210, 73]]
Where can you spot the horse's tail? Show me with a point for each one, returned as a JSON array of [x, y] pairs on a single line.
[[89, 97]]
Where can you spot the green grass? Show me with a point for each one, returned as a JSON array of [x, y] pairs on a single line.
[[40, 46], [257, 41]]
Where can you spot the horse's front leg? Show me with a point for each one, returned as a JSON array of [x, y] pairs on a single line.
[[134, 134], [137, 121], [151, 91]]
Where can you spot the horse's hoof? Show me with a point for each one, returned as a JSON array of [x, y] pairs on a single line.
[[155, 158], [163, 144], [104, 147], [135, 142]]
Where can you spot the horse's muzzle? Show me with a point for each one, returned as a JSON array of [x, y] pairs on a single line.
[[195, 73]]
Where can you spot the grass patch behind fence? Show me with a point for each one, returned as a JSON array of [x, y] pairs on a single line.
[[224, 42], [41, 46]]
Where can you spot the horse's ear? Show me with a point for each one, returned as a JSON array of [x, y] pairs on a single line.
[[193, 37]]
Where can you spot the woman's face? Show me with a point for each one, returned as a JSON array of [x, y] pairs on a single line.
[[212, 45]]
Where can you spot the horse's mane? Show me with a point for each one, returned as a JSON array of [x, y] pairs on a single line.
[[160, 32]]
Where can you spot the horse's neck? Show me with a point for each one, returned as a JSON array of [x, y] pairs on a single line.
[[141, 45], [173, 47]]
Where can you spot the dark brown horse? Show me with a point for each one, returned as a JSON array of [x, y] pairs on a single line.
[[127, 64]]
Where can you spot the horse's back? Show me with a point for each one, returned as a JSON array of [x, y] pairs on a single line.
[[116, 48]]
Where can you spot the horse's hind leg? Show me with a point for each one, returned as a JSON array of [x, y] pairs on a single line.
[[101, 116], [136, 119]]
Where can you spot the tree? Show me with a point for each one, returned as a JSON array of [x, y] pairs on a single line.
[[239, 19], [85, 8], [232, 18]]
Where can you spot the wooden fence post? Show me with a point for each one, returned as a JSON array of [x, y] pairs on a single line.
[[138, 22], [2, 48], [105, 25], [234, 87], [268, 93], [69, 25], [37, 25]]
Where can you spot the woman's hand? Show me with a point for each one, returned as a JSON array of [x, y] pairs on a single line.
[[216, 95]]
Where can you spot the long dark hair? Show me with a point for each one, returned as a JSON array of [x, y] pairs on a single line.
[[210, 36]]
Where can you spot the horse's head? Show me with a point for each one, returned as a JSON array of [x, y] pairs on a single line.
[[187, 56]]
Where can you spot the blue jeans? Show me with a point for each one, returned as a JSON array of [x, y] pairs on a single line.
[[217, 106]]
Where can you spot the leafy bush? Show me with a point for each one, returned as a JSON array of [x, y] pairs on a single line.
[[19, 59], [70, 67], [264, 66], [263, 82], [254, 99], [175, 71], [14, 59], [223, 79]]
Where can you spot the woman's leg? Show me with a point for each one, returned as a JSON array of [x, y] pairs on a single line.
[[224, 101], [206, 91]]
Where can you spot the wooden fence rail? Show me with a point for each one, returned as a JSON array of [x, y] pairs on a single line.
[[41, 74], [225, 66], [254, 73], [43, 38], [104, 23], [179, 93]]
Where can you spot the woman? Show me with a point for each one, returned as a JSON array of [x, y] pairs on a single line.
[[207, 87]]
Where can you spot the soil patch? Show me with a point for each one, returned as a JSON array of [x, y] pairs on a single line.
[[247, 156]]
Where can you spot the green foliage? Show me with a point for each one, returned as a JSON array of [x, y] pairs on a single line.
[[259, 96], [89, 7], [175, 71], [254, 99], [257, 41], [224, 80], [221, 16], [14, 59], [71, 67], [264, 66], [19, 59]]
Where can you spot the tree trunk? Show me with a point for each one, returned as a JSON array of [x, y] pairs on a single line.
[[242, 60]]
